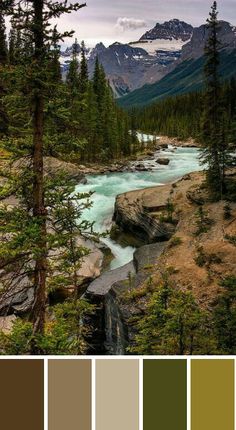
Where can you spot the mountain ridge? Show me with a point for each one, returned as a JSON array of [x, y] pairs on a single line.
[[131, 66]]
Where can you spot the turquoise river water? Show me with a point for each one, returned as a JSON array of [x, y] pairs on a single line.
[[107, 186]]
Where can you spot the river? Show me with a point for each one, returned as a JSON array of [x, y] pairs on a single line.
[[107, 186]]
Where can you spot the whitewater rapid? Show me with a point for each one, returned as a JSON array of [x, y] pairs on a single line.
[[107, 186]]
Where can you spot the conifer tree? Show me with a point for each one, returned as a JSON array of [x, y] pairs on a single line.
[[3, 42], [83, 74], [35, 16], [215, 148], [174, 325], [12, 45], [72, 78], [225, 317], [3, 61]]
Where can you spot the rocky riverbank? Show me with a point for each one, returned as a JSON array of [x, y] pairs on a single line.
[[135, 163], [144, 213], [201, 249], [18, 300]]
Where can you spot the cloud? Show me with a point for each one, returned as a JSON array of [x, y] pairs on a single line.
[[124, 24]]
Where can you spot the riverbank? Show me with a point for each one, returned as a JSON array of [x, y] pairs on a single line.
[[201, 250], [199, 253], [129, 164]]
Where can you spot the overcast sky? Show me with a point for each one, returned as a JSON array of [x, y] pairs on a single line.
[[108, 21], [127, 20]]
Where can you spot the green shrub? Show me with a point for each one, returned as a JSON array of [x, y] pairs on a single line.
[[176, 241]]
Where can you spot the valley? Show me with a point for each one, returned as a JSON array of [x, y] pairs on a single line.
[[167, 60]]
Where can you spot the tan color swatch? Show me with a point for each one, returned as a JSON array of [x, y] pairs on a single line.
[[22, 394], [69, 397], [117, 395], [212, 400]]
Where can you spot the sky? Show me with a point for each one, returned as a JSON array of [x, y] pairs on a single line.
[[109, 21]]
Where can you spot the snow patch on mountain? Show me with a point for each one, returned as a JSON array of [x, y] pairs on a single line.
[[153, 46]]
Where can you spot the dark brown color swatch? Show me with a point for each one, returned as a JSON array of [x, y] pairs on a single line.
[[165, 395], [212, 398], [69, 402], [22, 394]]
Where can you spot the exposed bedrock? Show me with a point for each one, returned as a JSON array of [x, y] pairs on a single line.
[[143, 213], [112, 326]]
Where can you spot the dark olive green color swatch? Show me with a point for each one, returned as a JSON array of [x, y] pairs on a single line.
[[164, 395], [22, 394], [212, 394]]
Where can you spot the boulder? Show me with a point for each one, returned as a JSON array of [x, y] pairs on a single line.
[[163, 161], [18, 298], [141, 168], [6, 323], [162, 146], [53, 166], [135, 214]]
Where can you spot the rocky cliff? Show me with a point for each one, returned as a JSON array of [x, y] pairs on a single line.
[[113, 324], [201, 252], [145, 214]]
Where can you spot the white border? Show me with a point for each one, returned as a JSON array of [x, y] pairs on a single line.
[[46, 394], [93, 387]]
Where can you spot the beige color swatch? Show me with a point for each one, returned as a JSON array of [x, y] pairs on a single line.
[[212, 388], [117, 395], [69, 397]]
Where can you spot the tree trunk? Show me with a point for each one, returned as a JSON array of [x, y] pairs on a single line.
[[39, 210]]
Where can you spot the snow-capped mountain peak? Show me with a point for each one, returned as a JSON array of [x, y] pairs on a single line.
[[169, 30]]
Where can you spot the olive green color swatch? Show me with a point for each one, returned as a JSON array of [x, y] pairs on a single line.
[[212, 394], [165, 395], [117, 394], [69, 395], [22, 394]]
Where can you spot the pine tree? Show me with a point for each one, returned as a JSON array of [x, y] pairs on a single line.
[[72, 78], [174, 325], [83, 74], [3, 43], [215, 150], [3, 61], [225, 317], [12, 45], [35, 16]]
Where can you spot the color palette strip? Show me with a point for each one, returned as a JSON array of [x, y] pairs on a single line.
[[127, 394]]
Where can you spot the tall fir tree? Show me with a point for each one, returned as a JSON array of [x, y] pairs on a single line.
[[215, 149], [83, 74], [72, 77], [3, 62], [35, 17], [3, 42]]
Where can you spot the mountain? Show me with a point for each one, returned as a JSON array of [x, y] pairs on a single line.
[[187, 75], [130, 66], [173, 29]]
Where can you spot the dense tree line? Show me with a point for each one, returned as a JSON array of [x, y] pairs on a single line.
[[181, 116], [82, 120]]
